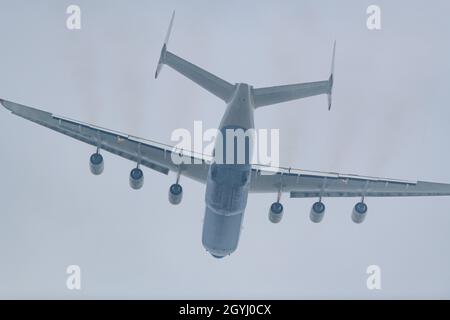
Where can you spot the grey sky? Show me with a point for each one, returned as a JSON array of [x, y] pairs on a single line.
[[389, 118]]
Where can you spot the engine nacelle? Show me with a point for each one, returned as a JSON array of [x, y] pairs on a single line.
[[136, 178], [359, 212], [96, 164], [175, 193], [317, 212], [276, 212]]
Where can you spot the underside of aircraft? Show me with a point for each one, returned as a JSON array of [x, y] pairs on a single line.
[[227, 186]]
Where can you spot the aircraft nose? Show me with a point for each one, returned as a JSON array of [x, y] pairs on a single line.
[[220, 233]]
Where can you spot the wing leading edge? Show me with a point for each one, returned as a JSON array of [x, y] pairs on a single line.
[[154, 155]]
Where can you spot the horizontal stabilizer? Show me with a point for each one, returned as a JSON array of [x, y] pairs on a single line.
[[278, 94]]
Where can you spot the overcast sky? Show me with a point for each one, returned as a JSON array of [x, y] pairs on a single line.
[[389, 118]]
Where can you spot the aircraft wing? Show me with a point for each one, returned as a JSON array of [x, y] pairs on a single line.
[[156, 156], [306, 184]]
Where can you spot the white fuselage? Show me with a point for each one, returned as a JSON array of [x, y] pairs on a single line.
[[228, 184]]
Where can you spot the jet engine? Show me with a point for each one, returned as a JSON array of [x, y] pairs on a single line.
[[359, 212], [96, 164], [175, 193], [317, 212], [276, 212], [136, 178]]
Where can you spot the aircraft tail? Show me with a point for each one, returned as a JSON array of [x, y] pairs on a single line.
[[220, 88], [272, 95], [164, 48], [331, 79]]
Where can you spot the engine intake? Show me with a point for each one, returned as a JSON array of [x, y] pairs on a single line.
[[276, 212], [317, 212], [136, 179], [175, 193], [359, 212], [96, 164]]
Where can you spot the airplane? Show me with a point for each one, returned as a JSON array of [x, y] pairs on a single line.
[[228, 185]]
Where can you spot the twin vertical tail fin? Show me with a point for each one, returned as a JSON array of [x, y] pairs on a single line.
[[164, 48], [331, 79], [225, 90], [208, 81]]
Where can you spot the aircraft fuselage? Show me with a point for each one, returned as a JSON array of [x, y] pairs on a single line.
[[228, 183]]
